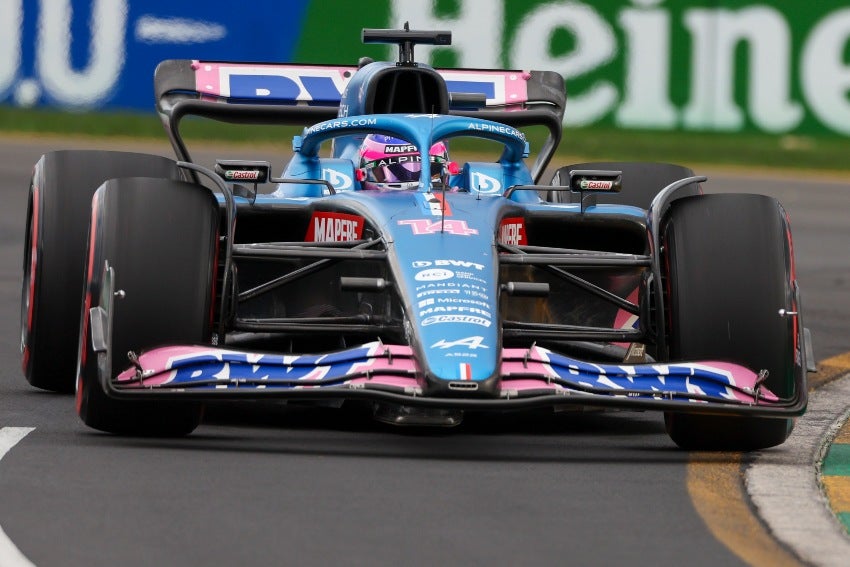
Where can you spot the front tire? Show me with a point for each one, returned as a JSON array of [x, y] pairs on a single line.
[[160, 238], [730, 271]]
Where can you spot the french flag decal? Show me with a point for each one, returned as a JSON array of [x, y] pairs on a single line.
[[465, 371], [437, 205]]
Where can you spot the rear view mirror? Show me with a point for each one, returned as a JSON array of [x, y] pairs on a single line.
[[236, 171], [595, 181]]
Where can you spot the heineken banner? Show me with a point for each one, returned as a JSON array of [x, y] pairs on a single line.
[[722, 65]]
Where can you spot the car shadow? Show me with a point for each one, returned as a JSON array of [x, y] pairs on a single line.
[[619, 437]]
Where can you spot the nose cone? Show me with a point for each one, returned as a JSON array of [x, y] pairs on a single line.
[[448, 275]]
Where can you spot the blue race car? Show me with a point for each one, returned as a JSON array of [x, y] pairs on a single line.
[[376, 269]]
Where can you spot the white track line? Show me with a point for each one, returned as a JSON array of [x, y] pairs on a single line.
[[784, 483], [11, 556]]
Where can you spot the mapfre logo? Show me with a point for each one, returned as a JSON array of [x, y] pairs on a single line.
[[512, 231], [334, 227]]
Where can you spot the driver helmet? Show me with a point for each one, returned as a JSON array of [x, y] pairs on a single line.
[[392, 164]]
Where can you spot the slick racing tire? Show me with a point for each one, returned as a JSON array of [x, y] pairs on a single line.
[[58, 212], [160, 239], [641, 182], [730, 271]]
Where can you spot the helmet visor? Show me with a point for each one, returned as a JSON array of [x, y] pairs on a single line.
[[403, 169]]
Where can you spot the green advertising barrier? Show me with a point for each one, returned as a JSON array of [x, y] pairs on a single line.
[[780, 67]]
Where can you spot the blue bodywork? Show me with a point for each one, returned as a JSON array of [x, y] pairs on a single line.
[[463, 240], [444, 261]]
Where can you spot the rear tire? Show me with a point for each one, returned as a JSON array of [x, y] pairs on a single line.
[[58, 215], [730, 272], [160, 238]]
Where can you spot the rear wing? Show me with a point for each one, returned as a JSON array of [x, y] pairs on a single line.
[[295, 94]]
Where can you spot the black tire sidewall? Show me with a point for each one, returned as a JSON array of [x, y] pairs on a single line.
[[159, 237], [729, 272]]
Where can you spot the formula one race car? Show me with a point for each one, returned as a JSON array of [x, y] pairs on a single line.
[[354, 278]]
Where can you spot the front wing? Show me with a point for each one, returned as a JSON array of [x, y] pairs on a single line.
[[533, 377]]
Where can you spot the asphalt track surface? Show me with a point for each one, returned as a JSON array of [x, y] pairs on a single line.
[[258, 485]]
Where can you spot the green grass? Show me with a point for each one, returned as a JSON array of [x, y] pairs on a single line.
[[14, 120], [828, 153]]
